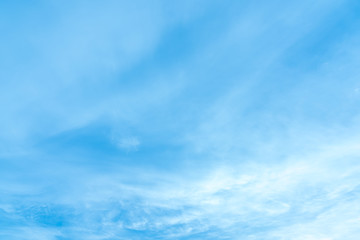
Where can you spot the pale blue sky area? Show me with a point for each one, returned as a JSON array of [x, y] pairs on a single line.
[[190, 119]]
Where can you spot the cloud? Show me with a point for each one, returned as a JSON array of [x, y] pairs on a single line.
[[128, 143], [193, 120], [299, 197]]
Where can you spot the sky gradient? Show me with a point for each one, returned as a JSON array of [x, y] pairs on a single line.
[[191, 119]]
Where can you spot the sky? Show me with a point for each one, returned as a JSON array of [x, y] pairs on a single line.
[[191, 119]]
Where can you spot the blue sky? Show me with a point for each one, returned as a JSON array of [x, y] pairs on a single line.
[[180, 120]]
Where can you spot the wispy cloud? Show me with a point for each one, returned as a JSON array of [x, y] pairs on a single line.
[[189, 120]]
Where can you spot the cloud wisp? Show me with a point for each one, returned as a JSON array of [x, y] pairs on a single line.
[[190, 120]]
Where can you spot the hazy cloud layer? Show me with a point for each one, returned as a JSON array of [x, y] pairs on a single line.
[[182, 120]]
